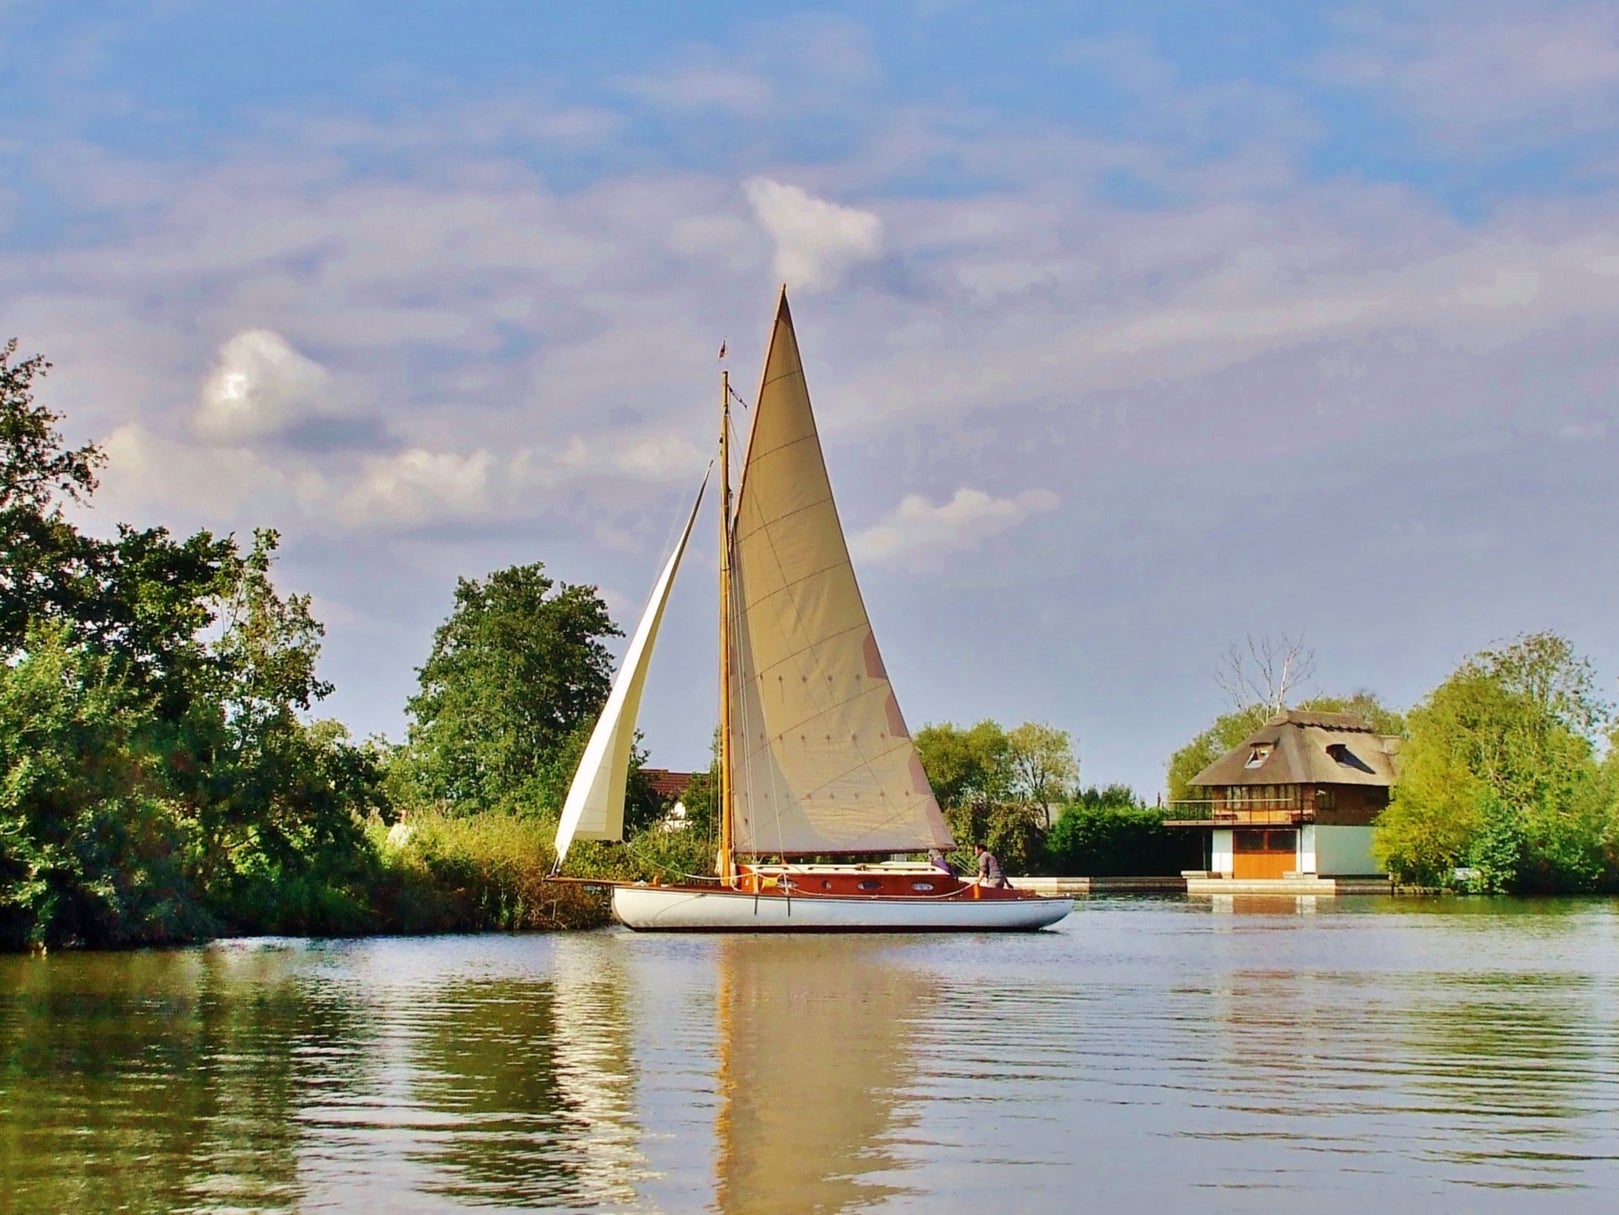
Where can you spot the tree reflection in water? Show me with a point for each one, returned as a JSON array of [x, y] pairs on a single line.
[[145, 1081]]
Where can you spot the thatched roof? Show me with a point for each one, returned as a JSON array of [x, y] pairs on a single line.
[[1301, 748]]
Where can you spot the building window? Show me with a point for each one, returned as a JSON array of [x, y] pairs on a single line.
[[1286, 841], [1258, 754]]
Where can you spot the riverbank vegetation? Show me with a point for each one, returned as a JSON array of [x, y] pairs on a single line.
[[1017, 792], [164, 775], [1504, 787]]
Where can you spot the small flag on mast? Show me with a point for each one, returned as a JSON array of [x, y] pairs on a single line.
[[722, 348]]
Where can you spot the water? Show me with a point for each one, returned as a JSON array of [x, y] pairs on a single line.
[[1249, 1055]]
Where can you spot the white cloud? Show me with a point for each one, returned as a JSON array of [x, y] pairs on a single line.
[[816, 240], [261, 386], [146, 470], [1482, 75], [918, 534], [649, 458], [703, 86], [420, 486]]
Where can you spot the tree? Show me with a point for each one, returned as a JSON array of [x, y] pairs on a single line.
[[966, 766], [278, 833], [1263, 673], [1043, 765], [995, 790], [91, 848], [1499, 775], [1226, 732], [42, 556], [156, 771], [515, 670]]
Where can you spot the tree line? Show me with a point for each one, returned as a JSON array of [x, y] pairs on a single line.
[[164, 776]]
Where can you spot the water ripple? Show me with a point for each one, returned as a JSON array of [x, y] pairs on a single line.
[[1366, 1053]]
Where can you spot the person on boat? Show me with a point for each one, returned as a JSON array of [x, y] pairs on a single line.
[[938, 860], [990, 872]]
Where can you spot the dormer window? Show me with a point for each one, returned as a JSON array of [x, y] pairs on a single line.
[[1341, 755], [1257, 754]]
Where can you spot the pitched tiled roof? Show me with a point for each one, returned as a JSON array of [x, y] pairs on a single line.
[[1301, 748], [667, 785]]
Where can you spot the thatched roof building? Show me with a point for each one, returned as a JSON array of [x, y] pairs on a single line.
[[1298, 796], [1304, 748]]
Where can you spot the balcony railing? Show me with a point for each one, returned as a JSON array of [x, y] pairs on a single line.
[[1252, 812]]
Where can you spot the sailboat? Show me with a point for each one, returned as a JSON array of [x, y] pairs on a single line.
[[815, 758]]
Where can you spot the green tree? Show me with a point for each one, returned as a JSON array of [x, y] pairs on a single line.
[[279, 842], [517, 668], [91, 849], [1111, 832], [1227, 731], [42, 556], [966, 766], [1042, 764], [1499, 775]]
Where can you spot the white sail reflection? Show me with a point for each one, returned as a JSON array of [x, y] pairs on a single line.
[[595, 1068], [814, 1057]]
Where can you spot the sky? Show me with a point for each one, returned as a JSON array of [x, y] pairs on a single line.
[[1133, 330]]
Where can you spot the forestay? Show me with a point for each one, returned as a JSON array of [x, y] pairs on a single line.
[[821, 759]]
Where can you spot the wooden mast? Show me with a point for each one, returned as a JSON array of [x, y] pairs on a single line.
[[726, 864]]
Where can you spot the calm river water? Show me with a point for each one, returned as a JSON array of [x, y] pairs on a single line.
[[1263, 1055]]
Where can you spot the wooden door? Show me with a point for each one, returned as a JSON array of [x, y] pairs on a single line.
[[1259, 853]]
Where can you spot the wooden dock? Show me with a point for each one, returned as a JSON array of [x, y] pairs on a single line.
[[1202, 886], [1101, 885]]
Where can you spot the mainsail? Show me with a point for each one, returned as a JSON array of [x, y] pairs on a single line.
[[821, 759], [594, 809]]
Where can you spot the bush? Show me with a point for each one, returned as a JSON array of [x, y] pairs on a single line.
[[477, 873], [1108, 839]]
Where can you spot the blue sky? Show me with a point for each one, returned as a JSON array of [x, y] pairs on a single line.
[[1134, 330]]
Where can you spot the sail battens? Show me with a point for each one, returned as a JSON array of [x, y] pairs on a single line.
[[785, 731], [808, 506], [785, 375], [788, 587], [760, 457]]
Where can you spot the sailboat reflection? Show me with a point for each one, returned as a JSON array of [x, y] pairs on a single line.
[[594, 1066], [813, 1070], [526, 1086]]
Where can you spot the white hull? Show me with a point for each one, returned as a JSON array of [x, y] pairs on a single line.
[[674, 909]]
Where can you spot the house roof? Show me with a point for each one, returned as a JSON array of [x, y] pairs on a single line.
[[667, 785], [1301, 748]]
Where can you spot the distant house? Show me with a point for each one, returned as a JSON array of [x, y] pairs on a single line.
[[668, 788], [1298, 797]]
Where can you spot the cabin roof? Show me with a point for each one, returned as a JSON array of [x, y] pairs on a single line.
[[1304, 748]]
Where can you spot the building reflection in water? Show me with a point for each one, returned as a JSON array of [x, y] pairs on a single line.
[[813, 1063]]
